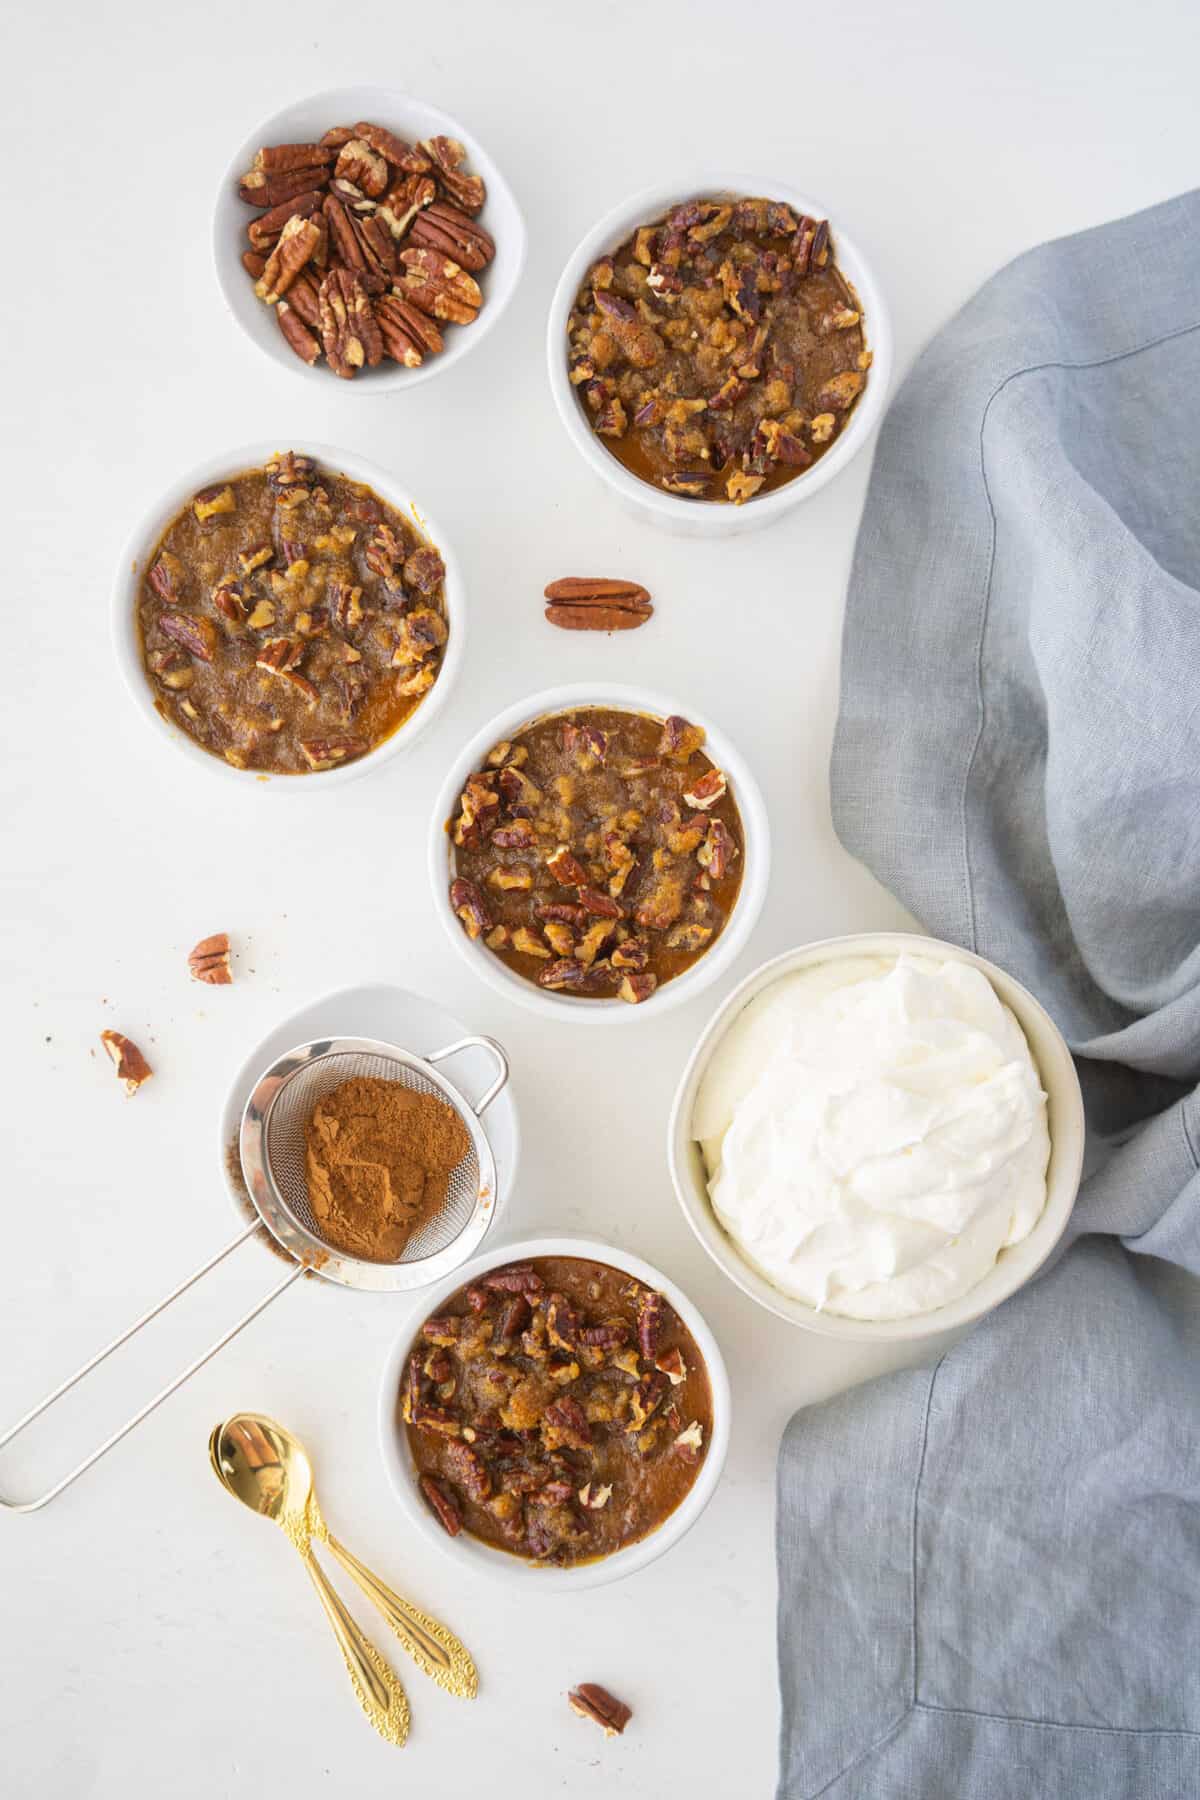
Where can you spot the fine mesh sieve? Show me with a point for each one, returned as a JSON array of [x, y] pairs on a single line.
[[272, 1149]]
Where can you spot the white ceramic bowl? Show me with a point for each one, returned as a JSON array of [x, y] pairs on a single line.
[[141, 543], [755, 872], [707, 518], [304, 122], [476, 1555], [1013, 1267]]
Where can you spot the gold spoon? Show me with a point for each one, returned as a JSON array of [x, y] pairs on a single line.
[[264, 1466]]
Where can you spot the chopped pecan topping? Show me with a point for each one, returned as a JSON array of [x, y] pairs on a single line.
[[197, 636], [703, 345], [447, 1513], [593, 838], [470, 906], [214, 501], [705, 793]]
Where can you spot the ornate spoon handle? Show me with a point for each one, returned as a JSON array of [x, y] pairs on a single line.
[[379, 1692], [432, 1647]]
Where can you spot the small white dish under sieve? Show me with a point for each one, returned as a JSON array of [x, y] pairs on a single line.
[[271, 1143]]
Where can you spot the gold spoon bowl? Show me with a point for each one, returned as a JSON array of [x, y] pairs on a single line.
[[261, 1464]]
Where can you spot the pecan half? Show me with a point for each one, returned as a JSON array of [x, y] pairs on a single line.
[[397, 152], [359, 163], [273, 158], [209, 960], [408, 335], [439, 286], [591, 1701], [349, 331], [448, 1515], [131, 1066], [597, 603], [467, 191], [298, 244], [264, 231], [260, 188], [296, 334], [455, 234]]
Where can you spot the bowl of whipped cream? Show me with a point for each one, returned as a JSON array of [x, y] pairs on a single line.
[[878, 1136]]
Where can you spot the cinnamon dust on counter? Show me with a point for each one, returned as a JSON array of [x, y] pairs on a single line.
[[379, 1161]]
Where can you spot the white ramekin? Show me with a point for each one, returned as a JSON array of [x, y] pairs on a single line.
[[707, 518], [304, 121], [514, 1569], [141, 543], [755, 870], [1013, 1267]]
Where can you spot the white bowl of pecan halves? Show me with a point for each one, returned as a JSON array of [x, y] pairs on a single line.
[[364, 234]]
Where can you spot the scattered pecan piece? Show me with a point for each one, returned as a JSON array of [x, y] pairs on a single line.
[[131, 1066], [591, 1701], [400, 154], [583, 603], [447, 1512], [209, 961]]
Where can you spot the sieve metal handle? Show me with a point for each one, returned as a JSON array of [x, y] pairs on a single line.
[[64, 1387], [475, 1043]]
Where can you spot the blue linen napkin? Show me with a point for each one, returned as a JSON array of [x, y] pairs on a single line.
[[990, 1569]]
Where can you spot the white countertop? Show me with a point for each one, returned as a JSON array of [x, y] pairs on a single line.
[[154, 1639]]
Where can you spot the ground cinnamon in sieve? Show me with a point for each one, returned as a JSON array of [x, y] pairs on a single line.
[[379, 1159]]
